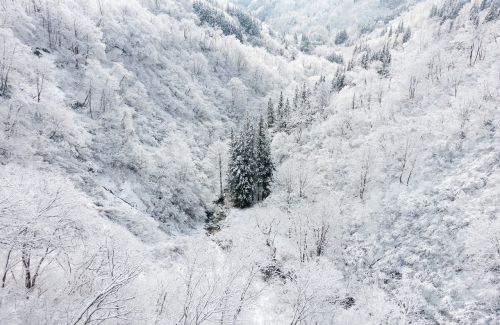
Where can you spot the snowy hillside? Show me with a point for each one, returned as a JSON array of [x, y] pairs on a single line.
[[321, 18], [121, 120], [129, 97]]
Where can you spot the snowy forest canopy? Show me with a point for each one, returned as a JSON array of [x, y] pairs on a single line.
[[249, 162]]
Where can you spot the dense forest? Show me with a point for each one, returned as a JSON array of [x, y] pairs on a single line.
[[249, 162]]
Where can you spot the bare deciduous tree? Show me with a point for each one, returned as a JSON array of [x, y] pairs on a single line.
[[304, 179], [363, 180], [301, 234], [100, 4], [285, 179], [210, 296], [320, 233], [240, 61], [464, 115], [106, 98], [244, 295], [455, 82], [11, 120], [87, 102], [408, 160], [40, 80], [36, 226], [412, 87], [161, 305], [6, 64], [7, 267], [302, 304], [476, 52], [52, 23], [434, 68], [109, 275], [269, 230]]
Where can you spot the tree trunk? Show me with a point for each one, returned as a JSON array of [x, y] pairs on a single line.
[[26, 264], [4, 276], [220, 177]]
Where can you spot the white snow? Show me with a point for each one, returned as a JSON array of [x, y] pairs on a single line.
[[106, 181]]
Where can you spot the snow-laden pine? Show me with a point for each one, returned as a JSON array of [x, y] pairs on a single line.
[[116, 135]]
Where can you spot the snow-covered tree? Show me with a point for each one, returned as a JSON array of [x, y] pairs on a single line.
[[250, 170], [335, 58], [249, 24], [305, 44], [384, 56], [493, 12], [279, 109], [263, 161], [242, 167], [215, 17], [341, 37], [338, 82], [406, 35], [285, 121], [270, 114]]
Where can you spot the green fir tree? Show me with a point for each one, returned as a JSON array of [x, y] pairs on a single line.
[[263, 162]]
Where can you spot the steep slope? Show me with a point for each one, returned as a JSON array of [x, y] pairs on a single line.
[[386, 208], [385, 203], [113, 114], [128, 97]]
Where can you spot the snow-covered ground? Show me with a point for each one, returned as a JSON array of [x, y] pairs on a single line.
[[384, 208]]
